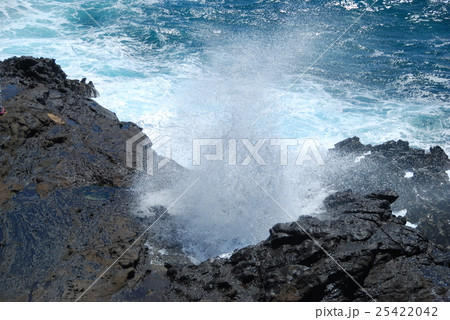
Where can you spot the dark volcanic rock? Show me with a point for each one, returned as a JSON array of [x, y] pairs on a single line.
[[419, 178], [305, 260], [350, 145], [64, 199]]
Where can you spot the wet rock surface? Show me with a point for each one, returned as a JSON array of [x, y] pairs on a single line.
[[305, 260], [65, 198], [67, 213], [420, 177]]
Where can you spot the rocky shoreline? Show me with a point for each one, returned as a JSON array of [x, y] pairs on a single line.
[[66, 208], [305, 260]]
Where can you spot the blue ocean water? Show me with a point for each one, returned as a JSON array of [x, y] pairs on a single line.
[[326, 70], [164, 63]]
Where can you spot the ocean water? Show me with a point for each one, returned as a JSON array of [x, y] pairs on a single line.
[[252, 69]]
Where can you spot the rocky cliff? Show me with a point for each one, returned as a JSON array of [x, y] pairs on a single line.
[[67, 214], [65, 201]]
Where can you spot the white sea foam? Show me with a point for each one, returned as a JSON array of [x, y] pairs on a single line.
[[358, 159], [225, 255], [308, 110], [412, 225], [409, 174], [400, 213]]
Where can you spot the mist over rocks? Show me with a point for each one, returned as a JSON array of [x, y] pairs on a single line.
[[419, 177], [68, 211], [390, 261]]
